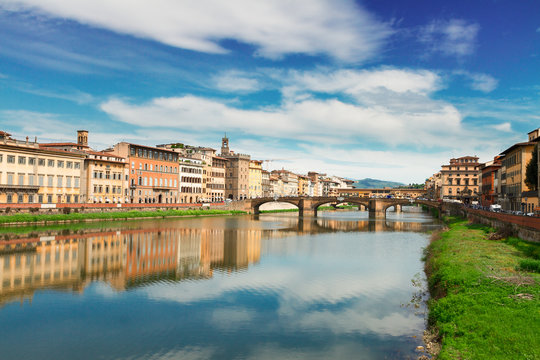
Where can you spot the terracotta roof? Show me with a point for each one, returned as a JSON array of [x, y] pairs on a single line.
[[515, 146], [61, 144]]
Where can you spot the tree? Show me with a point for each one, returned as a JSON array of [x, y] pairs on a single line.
[[531, 172]]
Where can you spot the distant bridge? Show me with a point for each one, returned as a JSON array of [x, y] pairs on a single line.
[[307, 206]]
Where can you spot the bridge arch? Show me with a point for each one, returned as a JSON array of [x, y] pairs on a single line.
[[365, 203], [256, 204]]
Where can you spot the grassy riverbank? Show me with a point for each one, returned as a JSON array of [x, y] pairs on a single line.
[[485, 294], [75, 217]]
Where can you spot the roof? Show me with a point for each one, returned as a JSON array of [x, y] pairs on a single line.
[[517, 145], [104, 153]]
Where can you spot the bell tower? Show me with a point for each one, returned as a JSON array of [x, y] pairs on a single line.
[[82, 138], [225, 145]]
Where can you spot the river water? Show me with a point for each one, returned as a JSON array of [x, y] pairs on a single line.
[[273, 286]]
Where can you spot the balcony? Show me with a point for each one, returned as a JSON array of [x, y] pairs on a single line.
[[19, 188]]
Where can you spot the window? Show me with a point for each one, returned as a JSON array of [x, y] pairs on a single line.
[[50, 163], [68, 198], [20, 199], [59, 199], [76, 182], [11, 159], [40, 199], [40, 180], [60, 163], [22, 160], [41, 162], [77, 165], [69, 164], [31, 161], [49, 180], [59, 182], [30, 198], [9, 198], [30, 179], [1, 157], [10, 179], [49, 199], [68, 181], [21, 179], [76, 198], [132, 151]]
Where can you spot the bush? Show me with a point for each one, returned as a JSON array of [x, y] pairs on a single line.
[[530, 265]]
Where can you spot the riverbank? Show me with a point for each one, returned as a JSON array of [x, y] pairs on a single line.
[[485, 294], [28, 219]]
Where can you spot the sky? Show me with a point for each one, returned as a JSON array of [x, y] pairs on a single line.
[[377, 88]]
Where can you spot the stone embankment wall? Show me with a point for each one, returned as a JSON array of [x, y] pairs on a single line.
[[525, 227], [10, 209]]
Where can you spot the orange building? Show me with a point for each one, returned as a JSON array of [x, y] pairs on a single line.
[[489, 178], [153, 173]]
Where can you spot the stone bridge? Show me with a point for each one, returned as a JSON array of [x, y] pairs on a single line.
[[307, 206]]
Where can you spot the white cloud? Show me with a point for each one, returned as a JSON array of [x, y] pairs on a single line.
[[479, 81], [338, 28], [306, 120], [507, 127], [453, 37], [236, 81]]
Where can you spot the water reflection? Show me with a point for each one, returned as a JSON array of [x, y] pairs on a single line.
[[272, 286], [134, 257]]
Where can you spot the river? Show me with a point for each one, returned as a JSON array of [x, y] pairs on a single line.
[[273, 286]]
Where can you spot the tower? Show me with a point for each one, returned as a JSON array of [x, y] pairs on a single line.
[[225, 145], [82, 138]]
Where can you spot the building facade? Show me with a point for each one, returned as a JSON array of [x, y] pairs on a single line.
[[236, 173], [30, 173], [105, 178], [460, 179], [255, 179], [514, 165], [489, 172], [153, 173]]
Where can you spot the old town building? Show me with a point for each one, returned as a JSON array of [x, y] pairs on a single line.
[[191, 178], [514, 163], [460, 179], [489, 172], [30, 173], [237, 172], [255, 179], [153, 173], [266, 187], [289, 182], [105, 178]]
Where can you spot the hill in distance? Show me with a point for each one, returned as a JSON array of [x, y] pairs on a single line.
[[368, 183]]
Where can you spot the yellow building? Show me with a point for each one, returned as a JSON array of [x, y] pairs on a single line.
[[105, 178], [460, 179], [32, 173], [514, 166], [303, 185], [255, 179], [50, 264]]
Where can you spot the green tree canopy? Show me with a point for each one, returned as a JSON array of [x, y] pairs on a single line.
[[531, 172]]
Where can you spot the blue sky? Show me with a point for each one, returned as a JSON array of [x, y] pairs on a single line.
[[381, 89]]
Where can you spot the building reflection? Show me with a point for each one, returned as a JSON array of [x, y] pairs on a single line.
[[70, 260], [124, 259]]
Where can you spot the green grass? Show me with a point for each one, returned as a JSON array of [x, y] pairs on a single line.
[[277, 211], [482, 306], [20, 218]]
